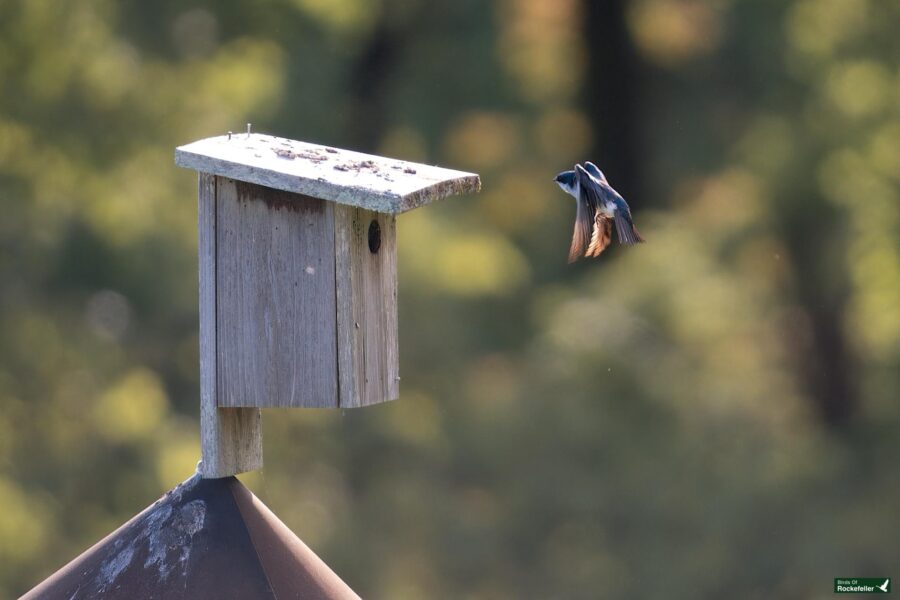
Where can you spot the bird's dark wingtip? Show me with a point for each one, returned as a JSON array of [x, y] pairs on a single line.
[[638, 238]]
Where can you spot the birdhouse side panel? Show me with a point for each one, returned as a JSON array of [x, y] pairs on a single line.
[[275, 273], [366, 264]]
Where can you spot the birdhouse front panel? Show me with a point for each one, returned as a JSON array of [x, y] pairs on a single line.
[[275, 298]]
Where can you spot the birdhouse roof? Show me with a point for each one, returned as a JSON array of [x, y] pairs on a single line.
[[207, 538], [375, 183]]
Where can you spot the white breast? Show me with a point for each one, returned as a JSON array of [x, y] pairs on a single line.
[[608, 209]]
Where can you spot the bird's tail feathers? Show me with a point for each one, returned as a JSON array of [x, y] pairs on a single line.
[[601, 236]]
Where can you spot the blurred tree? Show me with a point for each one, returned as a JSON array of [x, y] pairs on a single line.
[[613, 94], [368, 81]]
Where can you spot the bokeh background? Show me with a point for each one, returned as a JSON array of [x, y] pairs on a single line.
[[712, 414]]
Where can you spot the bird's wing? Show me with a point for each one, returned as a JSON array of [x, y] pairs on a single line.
[[589, 186], [601, 235], [595, 171], [583, 218], [587, 203], [625, 229]]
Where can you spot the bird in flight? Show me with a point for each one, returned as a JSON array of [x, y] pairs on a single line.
[[598, 207]]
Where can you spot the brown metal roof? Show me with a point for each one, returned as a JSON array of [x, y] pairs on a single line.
[[207, 538]]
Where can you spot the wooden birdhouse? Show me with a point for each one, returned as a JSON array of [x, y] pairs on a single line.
[[298, 280]]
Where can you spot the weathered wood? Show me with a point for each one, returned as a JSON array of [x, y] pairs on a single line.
[[371, 182], [368, 364], [276, 298], [346, 357], [231, 439]]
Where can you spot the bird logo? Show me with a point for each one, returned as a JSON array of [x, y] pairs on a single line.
[[598, 207], [884, 586]]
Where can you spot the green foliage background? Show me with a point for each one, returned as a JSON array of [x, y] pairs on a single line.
[[712, 414]]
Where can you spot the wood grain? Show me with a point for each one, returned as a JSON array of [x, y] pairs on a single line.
[[368, 364], [231, 439], [342, 176], [276, 298]]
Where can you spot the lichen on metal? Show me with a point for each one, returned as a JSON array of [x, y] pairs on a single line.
[[206, 538], [375, 183]]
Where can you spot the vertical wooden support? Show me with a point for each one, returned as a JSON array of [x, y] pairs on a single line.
[[230, 438], [366, 268]]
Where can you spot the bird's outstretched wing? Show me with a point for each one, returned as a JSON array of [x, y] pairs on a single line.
[[625, 229], [595, 171], [583, 221], [587, 203]]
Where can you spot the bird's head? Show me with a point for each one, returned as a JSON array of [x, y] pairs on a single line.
[[567, 181]]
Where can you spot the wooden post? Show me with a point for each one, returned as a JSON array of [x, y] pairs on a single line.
[[298, 281], [230, 438]]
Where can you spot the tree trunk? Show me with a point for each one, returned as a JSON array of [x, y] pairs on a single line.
[[824, 358], [611, 94]]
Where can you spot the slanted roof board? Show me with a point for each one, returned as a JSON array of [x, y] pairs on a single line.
[[372, 182]]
